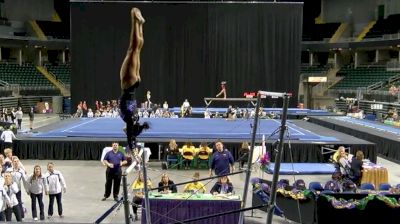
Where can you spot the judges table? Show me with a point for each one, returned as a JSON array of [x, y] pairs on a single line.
[[174, 208], [374, 174]]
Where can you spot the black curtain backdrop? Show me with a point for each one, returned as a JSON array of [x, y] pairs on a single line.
[[189, 49]]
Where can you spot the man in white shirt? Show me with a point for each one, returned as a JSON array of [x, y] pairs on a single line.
[[8, 136], [18, 115]]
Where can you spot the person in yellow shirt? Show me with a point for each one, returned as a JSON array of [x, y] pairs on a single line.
[[188, 152], [195, 186], [204, 151], [137, 188]]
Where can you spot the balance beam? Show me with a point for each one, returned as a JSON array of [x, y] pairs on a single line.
[[208, 101]]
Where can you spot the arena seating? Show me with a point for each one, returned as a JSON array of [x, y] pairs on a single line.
[[61, 71], [389, 25], [362, 77], [25, 75], [313, 69]]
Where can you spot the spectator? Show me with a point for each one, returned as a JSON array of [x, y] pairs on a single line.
[[222, 160], [188, 152], [31, 118], [114, 160], [171, 152], [336, 155], [9, 158], [243, 154], [4, 165], [4, 199], [13, 115], [8, 136], [223, 186], [356, 167], [344, 164], [19, 178], [166, 185], [12, 206], [55, 186], [165, 106], [207, 114], [18, 115], [204, 151], [35, 186], [195, 186], [137, 188], [84, 109], [90, 113]]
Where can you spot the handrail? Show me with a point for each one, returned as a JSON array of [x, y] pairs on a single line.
[[4, 83], [375, 86]]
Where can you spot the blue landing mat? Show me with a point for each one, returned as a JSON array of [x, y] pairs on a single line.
[[302, 168], [183, 128], [370, 124]]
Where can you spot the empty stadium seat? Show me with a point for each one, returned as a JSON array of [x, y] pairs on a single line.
[[62, 72], [367, 186], [24, 75], [384, 187], [362, 77]]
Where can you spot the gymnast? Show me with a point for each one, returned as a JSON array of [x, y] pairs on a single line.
[[223, 90], [130, 80]]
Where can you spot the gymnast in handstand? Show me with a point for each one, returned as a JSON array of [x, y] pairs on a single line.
[[130, 80]]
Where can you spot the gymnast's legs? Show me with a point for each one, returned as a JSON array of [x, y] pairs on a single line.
[[130, 79]]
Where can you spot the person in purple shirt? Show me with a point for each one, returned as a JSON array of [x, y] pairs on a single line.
[[221, 161], [114, 160]]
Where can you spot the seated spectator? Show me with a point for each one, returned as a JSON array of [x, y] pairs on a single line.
[[243, 154], [79, 112], [332, 185], [204, 151], [207, 114], [337, 154], [166, 185], [349, 187], [97, 114], [223, 186], [356, 167], [186, 109], [231, 113], [344, 164], [90, 113], [299, 185], [172, 151], [195, 186], [188, 152], [165, 106], [138, 191]]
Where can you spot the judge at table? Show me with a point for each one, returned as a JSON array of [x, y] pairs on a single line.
[[223, 186]]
